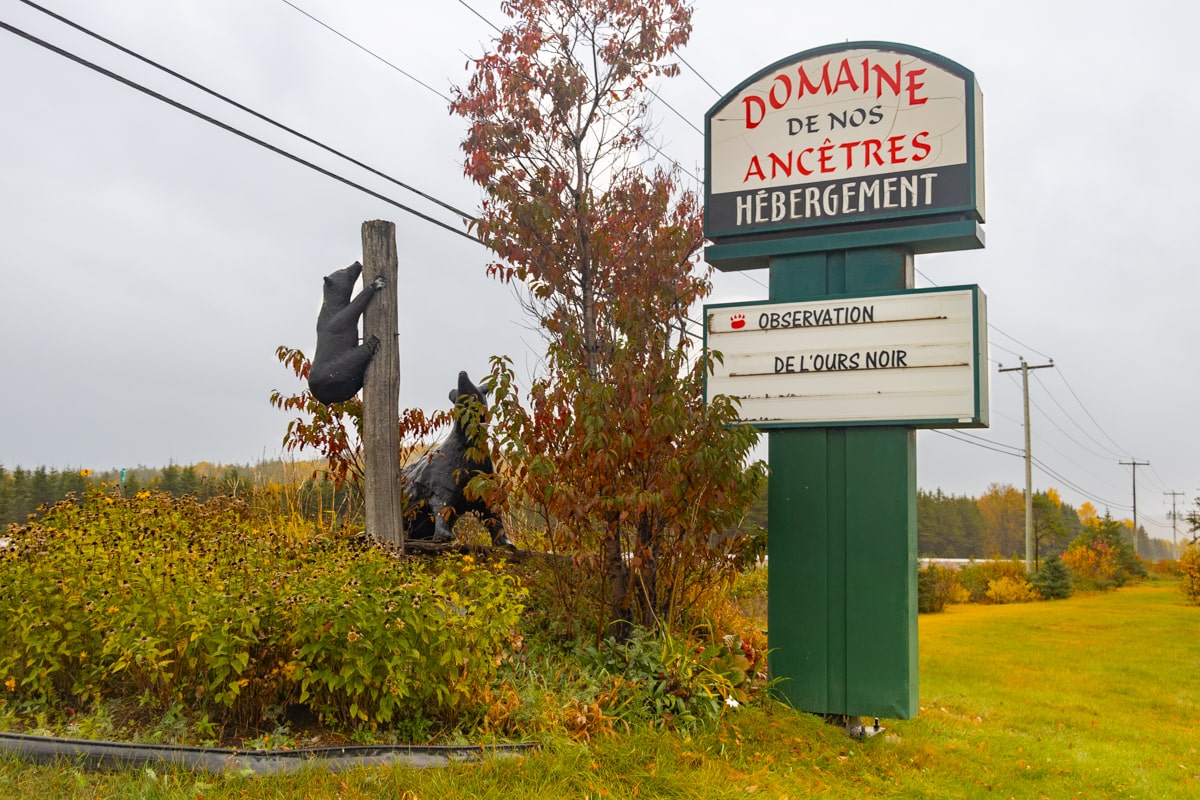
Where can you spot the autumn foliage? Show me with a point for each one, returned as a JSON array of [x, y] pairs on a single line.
[[1189, 571], [335, 431], [1102, 556], [611, 452]]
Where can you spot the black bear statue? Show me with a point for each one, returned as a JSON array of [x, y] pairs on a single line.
[[337, 369], [433, 484]]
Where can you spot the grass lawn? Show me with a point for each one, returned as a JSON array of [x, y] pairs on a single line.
[[1092, 697]]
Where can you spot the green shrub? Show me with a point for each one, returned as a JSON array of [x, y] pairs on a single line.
[[936, 588], [656, 677], [1053, 580], [176, 602]]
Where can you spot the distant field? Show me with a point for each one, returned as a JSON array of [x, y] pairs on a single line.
[[1092, 697]]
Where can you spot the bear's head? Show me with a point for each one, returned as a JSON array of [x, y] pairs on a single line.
[[462, 396], [339, 285], [468, 389]]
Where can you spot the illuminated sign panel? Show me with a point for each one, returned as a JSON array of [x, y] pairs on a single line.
[[909, 358]]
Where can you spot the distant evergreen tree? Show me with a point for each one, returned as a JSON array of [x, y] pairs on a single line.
[[1053, 580], [6, 496], [948, 526], [189, 482]]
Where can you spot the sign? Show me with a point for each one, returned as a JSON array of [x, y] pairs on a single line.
[[909, 358], [862, 134]]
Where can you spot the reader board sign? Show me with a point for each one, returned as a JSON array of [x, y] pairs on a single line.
[[845, 135], [914, 358]]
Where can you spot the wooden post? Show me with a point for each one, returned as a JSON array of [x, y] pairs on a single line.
[[381, 389]]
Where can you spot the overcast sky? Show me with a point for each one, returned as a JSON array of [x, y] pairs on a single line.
[[152, 262]]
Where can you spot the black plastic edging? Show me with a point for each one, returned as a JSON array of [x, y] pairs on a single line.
[[102, 755]]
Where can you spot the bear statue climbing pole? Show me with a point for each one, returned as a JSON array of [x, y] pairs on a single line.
[[832, 168]]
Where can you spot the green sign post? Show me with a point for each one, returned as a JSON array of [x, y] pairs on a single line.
[[832, 168]]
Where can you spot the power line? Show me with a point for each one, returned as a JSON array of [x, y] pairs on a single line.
[[1077, 425], [1062, 375], [1016, 451], [1066, 433], [367, 50], [950, 435], [247, 109], [231, 129], [1018, 341], [1005, 349], [1090, 495], [993, 342], [698, 75]]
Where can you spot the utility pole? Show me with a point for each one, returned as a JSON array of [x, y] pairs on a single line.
[[1024, 368], [1135, 464], [1174, 524]]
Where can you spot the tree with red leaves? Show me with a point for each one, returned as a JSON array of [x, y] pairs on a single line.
[[612, 450]]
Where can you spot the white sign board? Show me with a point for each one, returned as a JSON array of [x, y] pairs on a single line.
[[845, 134], [910, 358]]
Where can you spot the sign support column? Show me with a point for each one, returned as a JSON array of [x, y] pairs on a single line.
[[841, 602]]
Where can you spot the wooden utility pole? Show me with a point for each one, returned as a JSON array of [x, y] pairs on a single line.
[[381, 389], [1174, 524], [1024, 369], [1135, 464]]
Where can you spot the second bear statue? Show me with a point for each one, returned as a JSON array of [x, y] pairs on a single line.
[[434, 483], [338, 367]]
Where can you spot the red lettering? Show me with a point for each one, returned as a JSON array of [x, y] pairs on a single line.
[[845, 77], [849, 148], [894, 148], [761, 110], [882, 77], [800, 161], [778, 164], [787, 91], [825, 155], [809, 86], [913, 86], [871, 151], [756, 169], [918, 141]]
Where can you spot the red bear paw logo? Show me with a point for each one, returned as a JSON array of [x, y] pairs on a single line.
[[737, 321]]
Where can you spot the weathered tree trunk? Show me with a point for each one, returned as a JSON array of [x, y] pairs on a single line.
[[381, 389], [647, 552], [617, 574]]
